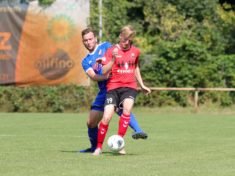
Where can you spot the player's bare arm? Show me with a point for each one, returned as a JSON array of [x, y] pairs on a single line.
[[107, 68], [96, 77], [140, 81]]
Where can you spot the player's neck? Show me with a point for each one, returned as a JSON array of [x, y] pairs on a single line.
[[124, 49], [93, 49]]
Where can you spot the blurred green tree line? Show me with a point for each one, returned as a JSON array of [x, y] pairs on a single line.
[[183, 43]]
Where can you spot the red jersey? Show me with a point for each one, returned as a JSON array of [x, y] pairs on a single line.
[[123, 70]]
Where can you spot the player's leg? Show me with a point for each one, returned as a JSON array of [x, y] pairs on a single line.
[[92, 125], [110, 104], [125, 119], [125, 116], [103, 128], [126, 102], [95, 115], [138, 132]]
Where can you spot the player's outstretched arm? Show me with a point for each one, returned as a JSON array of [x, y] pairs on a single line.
[[140, 81]]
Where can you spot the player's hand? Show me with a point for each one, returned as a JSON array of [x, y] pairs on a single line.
[[100, 59], [146, 90], [96, 66], [107, 75], [115, 53]]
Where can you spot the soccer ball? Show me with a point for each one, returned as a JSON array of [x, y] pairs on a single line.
[[116, 143]]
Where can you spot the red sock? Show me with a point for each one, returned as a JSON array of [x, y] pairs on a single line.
[[101, 134], [123, 124]]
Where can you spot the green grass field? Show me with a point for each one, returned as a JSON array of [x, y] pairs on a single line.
[[179, 144]]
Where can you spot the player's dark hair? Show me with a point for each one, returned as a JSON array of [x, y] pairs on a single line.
[[87, 30]]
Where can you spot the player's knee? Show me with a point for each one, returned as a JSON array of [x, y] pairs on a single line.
[[106, 120], [92, 124], [126, 112]]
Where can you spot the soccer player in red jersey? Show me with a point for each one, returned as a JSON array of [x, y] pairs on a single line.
[[121, 60]]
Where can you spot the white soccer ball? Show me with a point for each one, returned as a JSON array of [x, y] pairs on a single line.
[[116, 143]]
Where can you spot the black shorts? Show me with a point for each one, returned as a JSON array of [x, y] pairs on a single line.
[[117, 96]]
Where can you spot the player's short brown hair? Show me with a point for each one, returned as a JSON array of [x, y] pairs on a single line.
[[87, 30]]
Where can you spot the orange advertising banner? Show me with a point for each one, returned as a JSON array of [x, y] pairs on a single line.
[[41, 46]]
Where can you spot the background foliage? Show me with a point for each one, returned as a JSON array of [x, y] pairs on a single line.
[[64, 98], [183, 43]]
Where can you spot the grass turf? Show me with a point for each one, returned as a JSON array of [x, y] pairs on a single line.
[[179, 144]]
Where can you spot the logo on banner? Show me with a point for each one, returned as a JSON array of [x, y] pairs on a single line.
[[54, 66], [4, 45], [61, 28]]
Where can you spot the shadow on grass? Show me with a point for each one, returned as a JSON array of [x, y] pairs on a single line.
[[106, 153]]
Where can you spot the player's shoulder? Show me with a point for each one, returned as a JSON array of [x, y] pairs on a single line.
[[112, 47], [84, 62], [135, 49], [105, 45], [85, 59], [110, 50]]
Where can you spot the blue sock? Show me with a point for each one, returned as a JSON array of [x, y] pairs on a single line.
[[92, 133], [133, 123]]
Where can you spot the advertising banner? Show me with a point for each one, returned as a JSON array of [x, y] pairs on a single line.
[[42, 45]]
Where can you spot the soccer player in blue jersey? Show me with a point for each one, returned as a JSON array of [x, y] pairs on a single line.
[[94, 70]]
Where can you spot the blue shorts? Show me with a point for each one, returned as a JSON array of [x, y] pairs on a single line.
[[98, 104]]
